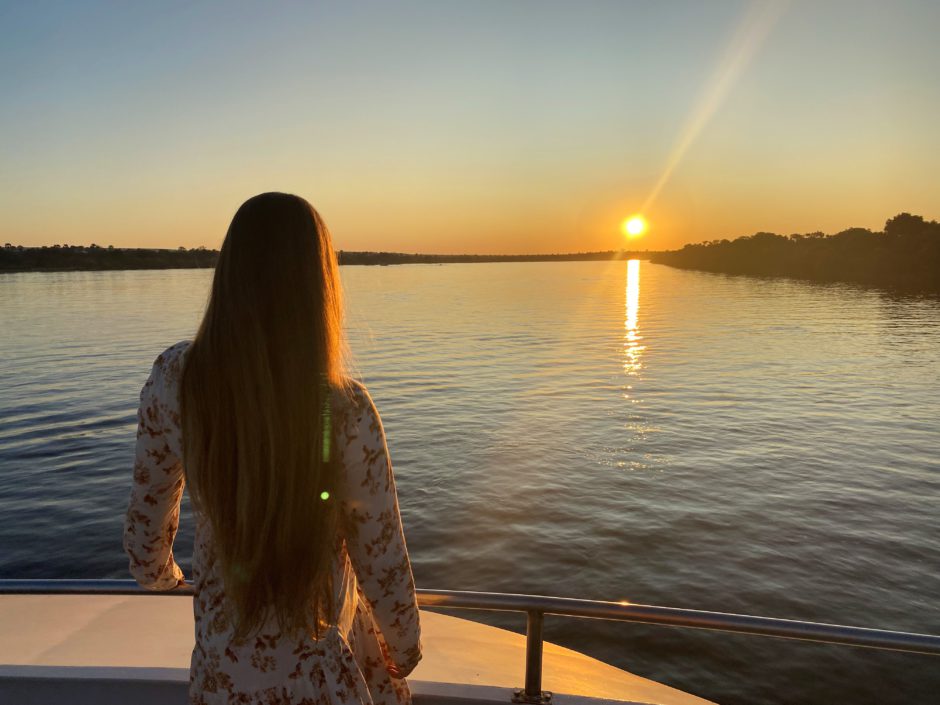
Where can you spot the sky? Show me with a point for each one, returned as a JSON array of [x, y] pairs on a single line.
[[470, 127]]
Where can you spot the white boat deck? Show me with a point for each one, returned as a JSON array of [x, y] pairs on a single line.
[[101, 649]]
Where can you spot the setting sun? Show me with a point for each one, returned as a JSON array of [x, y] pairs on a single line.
[[634, 226]]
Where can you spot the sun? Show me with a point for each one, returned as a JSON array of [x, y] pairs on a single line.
[[634, 226]]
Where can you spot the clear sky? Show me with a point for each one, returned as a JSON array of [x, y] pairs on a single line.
[[489, 127]]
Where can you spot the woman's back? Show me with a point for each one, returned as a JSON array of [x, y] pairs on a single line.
[[376, 612], [303, 587]]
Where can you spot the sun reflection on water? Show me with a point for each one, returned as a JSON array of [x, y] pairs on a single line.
[[632, 348]]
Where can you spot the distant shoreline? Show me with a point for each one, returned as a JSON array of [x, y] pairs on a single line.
[[77, 258], [904, 256]]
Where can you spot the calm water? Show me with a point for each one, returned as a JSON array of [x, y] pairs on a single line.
[[599, 430]]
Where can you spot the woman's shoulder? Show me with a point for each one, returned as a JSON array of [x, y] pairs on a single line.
[[354, 404], [169, 364], [353, 393]]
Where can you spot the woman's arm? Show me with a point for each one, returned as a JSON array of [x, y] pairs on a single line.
[[153, 511], [374, 536]]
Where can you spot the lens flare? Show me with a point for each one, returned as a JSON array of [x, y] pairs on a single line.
[[756, 23]]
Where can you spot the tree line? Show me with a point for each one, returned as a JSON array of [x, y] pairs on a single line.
[[905, 255], [17, 258]]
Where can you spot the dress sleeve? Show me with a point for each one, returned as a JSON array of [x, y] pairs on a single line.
[[154, 508], [374, 536]]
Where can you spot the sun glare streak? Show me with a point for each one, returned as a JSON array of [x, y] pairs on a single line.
[[754, 27]]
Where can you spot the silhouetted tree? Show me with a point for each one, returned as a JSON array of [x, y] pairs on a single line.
[[904, 224]]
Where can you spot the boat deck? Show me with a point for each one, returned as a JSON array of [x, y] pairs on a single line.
[[122, 648]]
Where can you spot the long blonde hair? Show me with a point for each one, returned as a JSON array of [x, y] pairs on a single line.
[[255, 405]]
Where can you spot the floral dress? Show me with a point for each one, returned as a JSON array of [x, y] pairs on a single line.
[[377, 615]]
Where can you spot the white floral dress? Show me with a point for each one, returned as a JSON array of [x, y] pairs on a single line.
[[377, 621]]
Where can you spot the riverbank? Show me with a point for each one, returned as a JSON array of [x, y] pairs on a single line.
[[905, 255], [61, 258]]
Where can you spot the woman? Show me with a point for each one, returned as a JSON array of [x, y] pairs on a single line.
[[303, 587]]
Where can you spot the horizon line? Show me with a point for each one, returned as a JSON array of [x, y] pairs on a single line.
[[203, 248]]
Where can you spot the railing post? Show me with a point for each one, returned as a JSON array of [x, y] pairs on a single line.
[[533, 693]]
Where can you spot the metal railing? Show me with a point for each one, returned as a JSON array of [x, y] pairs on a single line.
[[536, 607]]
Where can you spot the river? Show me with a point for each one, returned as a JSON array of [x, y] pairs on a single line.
[[605, 430]]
